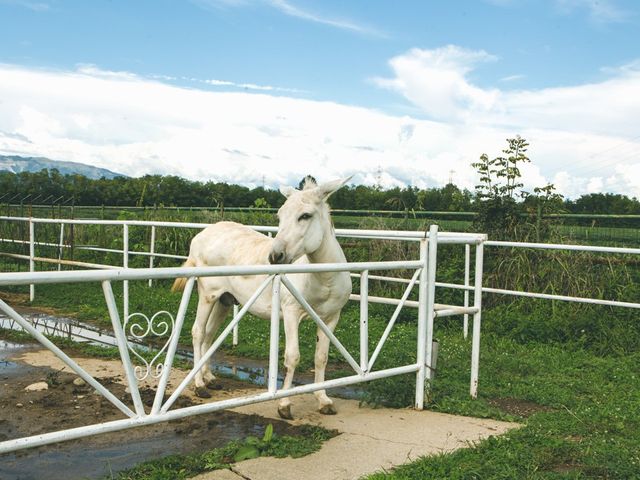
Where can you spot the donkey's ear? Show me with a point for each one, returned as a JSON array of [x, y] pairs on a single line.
[[287, 190], [326, 189]]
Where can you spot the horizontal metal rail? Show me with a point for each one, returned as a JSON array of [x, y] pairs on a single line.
[[440, 309], [73, 263], [117, 425], [560, 246], [26, 278], [443, 237], [93, 249], [545, 296], [27, 242]]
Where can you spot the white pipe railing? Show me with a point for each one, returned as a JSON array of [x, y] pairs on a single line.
[[425, 269], [363, 368], [443, 237]]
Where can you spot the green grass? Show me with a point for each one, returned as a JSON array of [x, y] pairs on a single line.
[[575, 366], [586, 420], [587, 426]]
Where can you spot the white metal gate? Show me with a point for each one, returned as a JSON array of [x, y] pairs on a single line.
[[276, 278]]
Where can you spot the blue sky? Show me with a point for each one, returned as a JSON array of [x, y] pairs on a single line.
[[451, 73]]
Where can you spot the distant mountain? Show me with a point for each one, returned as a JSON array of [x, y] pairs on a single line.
[[18, 164]]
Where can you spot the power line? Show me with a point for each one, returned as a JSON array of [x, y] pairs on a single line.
[[624, 142]]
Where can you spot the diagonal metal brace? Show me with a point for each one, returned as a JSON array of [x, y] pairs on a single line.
[[68, 361], [301, 300]]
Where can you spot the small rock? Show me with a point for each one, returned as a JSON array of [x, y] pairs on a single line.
[[78, 382], [19, 405], [37, 387], [80, 396], [77, 407]]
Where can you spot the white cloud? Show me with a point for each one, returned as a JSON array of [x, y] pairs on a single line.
[[34, 6], [435, 80], [512, 78], [438, 82], [600, 11], [246, 86], [287, 8], [136, 126], [571, 129]]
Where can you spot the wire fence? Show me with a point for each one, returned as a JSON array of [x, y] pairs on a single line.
[[615, 230]]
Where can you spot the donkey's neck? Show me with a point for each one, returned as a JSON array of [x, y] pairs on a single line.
[[329, 250]]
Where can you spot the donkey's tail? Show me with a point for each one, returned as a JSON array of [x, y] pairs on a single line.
[[179, 284]]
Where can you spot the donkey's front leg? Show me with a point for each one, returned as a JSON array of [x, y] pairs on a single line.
[[291, 357], [322, 352]]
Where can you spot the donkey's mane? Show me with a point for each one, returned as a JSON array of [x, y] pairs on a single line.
[[308, 182]]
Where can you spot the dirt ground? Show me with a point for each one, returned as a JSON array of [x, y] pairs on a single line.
[[66, 405]]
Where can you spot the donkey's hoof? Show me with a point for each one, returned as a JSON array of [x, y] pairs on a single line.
[[202, 392], [213, 385], [285, 412], [328, 409]]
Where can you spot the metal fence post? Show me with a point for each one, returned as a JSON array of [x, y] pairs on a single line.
[[32, 263], [467, 261], [152, 249], [431, 294], [477, 303], [422, 327], [60, 246], [364, 320], [125, 264], [274, 335]]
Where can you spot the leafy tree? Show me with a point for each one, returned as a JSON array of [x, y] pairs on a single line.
[[499, 213]]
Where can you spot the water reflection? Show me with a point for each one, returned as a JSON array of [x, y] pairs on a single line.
[[253, 371]]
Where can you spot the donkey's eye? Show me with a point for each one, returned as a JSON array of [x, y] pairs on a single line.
[[304, 216]]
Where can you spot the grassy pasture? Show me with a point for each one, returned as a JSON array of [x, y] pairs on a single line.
[[568, 372]]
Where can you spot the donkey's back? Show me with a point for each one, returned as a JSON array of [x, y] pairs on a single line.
[[229, 243]]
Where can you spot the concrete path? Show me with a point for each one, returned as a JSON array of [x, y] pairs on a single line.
[[370, 440]]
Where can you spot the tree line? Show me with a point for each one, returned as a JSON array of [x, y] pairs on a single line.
[[49, 186]]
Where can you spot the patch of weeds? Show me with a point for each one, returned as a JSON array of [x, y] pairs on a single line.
[[17, 336], [53, 377]]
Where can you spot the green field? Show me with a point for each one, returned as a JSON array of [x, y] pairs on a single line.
[[616, 230], [568, 372]]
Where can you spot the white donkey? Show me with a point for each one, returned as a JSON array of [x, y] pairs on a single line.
[[305, 235]]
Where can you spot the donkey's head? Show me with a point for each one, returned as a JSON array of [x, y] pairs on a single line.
[[304, 220]]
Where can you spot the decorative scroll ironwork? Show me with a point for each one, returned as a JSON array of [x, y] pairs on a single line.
[[140, 331]]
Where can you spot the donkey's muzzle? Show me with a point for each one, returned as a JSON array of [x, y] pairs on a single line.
[[277, 258]]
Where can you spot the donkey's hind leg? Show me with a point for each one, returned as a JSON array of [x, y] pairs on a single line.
[[218, 314], [205, 308]]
